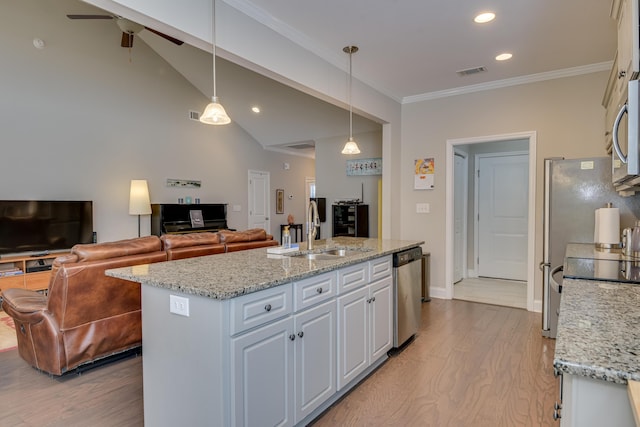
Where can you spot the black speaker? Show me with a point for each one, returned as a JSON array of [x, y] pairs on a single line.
[[322, 207]]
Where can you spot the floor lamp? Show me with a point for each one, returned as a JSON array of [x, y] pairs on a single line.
[[139, 203]]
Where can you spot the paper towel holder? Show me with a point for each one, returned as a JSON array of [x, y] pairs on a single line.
[[612, 237]]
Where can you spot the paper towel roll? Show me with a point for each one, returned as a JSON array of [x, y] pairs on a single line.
[[607, 226]]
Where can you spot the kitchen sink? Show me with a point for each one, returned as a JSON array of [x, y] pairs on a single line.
[[329, 254], [320, 256]]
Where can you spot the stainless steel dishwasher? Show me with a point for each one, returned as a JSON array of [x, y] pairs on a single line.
[[407, 294]]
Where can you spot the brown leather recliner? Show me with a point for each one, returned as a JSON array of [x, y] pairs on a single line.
[[86, 316]]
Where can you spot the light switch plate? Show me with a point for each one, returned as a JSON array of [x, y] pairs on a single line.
[[423, 208], [179, 305]]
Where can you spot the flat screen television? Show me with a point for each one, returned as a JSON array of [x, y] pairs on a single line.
[[41, 226]]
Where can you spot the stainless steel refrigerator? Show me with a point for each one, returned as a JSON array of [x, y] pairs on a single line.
[[573, 190]]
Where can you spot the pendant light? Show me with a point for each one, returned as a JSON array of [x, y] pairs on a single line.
[[214, 114], [350, 147]]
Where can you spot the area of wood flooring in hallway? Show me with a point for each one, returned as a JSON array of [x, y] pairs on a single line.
[[470, 365]]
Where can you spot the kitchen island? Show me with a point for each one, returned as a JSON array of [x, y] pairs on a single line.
[[598, 342], [251, 338]]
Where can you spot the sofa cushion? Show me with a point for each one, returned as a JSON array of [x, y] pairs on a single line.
[[253, 234], [120, 248], [174, 241]]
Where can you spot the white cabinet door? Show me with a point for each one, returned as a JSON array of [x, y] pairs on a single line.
[[353, 337], [381, 331], [315, 357], [262, 377]]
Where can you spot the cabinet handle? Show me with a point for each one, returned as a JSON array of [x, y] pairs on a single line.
[[301, 334], [292, 337], [267, 307], [556, 415], [621, 74], [373, 299], [557, 406], [319, 290]]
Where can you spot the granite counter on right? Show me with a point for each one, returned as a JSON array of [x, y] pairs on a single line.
[[597, 351]]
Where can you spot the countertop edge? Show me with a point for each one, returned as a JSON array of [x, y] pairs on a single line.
[[128, 273]]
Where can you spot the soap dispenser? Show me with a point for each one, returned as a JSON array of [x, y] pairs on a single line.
[[286, 238]]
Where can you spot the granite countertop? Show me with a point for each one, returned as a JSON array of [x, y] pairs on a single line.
[[233, 274], [599, 330]]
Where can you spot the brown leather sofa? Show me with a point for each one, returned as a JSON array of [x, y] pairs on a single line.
[[248, 239], [86, 315], [179, 246]]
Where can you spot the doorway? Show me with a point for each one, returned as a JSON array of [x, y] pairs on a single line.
[[259, 200], [475, 149]]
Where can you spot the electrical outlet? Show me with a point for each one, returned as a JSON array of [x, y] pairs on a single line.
[[179, 305]]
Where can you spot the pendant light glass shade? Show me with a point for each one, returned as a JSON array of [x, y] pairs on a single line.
[[350, 147], [214, 113]]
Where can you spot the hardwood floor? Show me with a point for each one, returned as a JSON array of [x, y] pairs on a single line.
[[470, 365]]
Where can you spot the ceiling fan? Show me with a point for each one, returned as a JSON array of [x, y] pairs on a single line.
[[129, 28]]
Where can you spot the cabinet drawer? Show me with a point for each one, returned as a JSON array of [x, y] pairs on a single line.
[[380, 268], [255, 309], [353, 277], [38, 281], [314, 290], [12, 282]]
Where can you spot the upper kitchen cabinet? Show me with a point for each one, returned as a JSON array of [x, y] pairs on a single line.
[[628, 63]]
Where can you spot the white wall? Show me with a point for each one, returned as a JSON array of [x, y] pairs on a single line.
[[81, 118], [333, 183], [565, 113]]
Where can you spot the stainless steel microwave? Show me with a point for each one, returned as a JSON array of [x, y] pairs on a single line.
[[626, 137]]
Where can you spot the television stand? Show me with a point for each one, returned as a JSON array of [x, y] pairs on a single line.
[[27, 271]]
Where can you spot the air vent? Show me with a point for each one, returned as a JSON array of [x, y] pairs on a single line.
[[470, 71], [303, 146], [194, 115]]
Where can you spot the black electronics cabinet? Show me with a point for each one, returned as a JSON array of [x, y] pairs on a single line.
[[350, 220]]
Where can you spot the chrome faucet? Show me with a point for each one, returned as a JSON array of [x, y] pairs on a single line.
[[313, 222]]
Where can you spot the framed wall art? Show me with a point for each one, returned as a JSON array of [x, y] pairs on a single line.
[[364, 167], [279, 201]]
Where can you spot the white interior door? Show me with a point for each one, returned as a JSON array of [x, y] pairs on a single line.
[[259, 200], [459, 216], [502, 220]]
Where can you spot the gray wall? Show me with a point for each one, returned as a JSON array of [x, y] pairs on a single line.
[[84, 116], [333, 183], [566, 114]]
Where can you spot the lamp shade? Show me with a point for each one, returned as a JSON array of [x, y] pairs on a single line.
[[215, 114], [139, 203], [351, 147]]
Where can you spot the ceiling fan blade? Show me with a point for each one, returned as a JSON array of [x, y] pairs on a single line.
[[127, 40], [89, 16], [164, 36]]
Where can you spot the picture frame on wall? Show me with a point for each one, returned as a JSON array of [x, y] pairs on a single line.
[[279, 201]]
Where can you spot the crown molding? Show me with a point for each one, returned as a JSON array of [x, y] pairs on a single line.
[[497, 84]]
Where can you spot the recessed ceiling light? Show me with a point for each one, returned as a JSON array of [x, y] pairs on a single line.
[[255, 109], [503, 57], [484, 17]]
